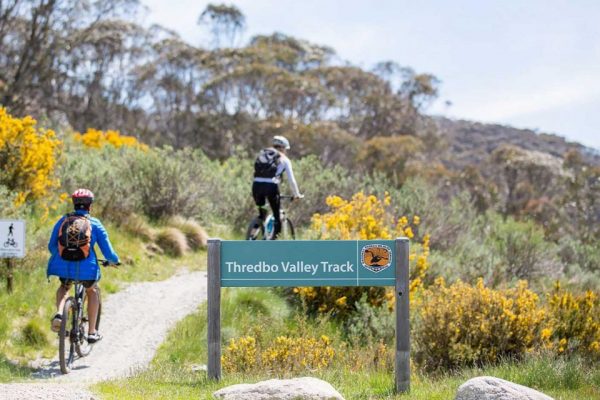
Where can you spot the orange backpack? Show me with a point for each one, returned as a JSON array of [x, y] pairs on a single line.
[[74, 238]]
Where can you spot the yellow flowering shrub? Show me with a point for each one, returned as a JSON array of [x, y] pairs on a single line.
[[28, 157], [460, 324], [285, 355], [573, 323], [240, 355], [96, 139], [363, 217]]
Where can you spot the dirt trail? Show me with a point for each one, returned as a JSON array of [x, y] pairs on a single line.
[[135, 321]]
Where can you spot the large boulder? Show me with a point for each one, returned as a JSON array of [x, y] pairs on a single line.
[[281, 389], [490, 388]]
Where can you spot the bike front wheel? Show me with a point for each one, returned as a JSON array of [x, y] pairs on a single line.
[[66, 347], [287, 230], [256, 230]]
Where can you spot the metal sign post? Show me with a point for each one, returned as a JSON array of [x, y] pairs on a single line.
[[310, 263], [214, 309]]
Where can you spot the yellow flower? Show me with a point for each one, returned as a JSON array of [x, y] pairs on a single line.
[[546, 333], [341, 301]]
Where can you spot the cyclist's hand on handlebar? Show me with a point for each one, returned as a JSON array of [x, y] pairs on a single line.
[[106, 263]]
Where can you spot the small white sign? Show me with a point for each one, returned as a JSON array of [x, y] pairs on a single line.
[[12, 238]]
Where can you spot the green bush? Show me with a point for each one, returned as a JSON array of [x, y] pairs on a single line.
[[169, 182], [522, 250], [369, 324], [105, 172], [445, 220], [33, 335]]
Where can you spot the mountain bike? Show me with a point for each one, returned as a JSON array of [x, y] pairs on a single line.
[[72, 336], [10, 242], [263, 230]]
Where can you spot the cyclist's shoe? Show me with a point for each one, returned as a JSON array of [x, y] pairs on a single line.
[[94, 337], [56, 322]]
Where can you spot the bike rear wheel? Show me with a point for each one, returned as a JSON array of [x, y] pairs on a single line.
[[66, 347], [256, 230]]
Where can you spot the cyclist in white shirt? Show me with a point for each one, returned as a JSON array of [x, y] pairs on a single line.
[[269, 166]]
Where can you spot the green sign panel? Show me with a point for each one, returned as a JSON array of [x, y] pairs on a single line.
[[308, 263]]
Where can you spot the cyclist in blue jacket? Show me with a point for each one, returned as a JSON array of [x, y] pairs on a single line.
[[73, 257]]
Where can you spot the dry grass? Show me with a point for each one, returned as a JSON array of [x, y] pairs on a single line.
[[172, 241], [137, 226], [197, 237]]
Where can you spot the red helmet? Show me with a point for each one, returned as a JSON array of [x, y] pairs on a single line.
[[82, 196]]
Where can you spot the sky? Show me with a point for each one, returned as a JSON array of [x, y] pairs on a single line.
[[525, 63]]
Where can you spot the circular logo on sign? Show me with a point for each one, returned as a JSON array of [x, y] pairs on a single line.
[[376, 257]]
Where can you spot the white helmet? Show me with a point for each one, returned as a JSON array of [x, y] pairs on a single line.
[[280, 141]]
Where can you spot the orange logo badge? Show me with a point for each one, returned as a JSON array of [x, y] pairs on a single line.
[[376, 257]]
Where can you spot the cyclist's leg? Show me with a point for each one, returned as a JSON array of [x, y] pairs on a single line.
[[274, 201], [61, 297], [260, 199], [62, 293], [93, 304]]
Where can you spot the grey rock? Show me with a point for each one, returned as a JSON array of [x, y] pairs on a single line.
[[490, 388], [305, 388]]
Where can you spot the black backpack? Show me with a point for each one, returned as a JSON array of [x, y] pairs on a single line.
[[266, 163], [74, 237]]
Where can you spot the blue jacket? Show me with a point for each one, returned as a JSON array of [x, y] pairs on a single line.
[[87, 269]]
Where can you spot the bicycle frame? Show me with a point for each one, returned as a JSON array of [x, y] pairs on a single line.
[[267, 226], [75, 334]]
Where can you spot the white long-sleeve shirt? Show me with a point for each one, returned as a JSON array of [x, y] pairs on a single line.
[[284, 165]]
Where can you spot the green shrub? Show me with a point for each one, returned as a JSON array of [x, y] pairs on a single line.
[[369, 324], [446, 221], [169, 182], [521, 247], [229, 196], [317, 182], [33, 335], [105, 172]]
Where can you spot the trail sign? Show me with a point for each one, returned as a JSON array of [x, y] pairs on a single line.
[[12, 238], [310, 263]]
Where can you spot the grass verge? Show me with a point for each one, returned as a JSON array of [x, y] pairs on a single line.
[[174, 372]]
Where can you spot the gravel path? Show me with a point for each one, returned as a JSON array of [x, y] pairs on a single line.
[[135, 321]]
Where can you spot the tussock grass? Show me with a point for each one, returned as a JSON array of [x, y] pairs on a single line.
[[33, 335], [196, 236], [172, 241], [139, 227]]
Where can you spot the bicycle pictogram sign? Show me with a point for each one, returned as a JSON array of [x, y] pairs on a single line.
[[12, 238]]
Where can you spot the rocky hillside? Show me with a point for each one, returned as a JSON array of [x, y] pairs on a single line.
[[471, 142]]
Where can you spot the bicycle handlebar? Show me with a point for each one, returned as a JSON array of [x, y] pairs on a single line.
[[106, 263]]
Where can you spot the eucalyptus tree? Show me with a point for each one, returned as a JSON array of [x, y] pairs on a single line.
[[226, 23]]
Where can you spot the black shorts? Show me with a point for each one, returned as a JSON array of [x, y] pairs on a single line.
[[68, 282]]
